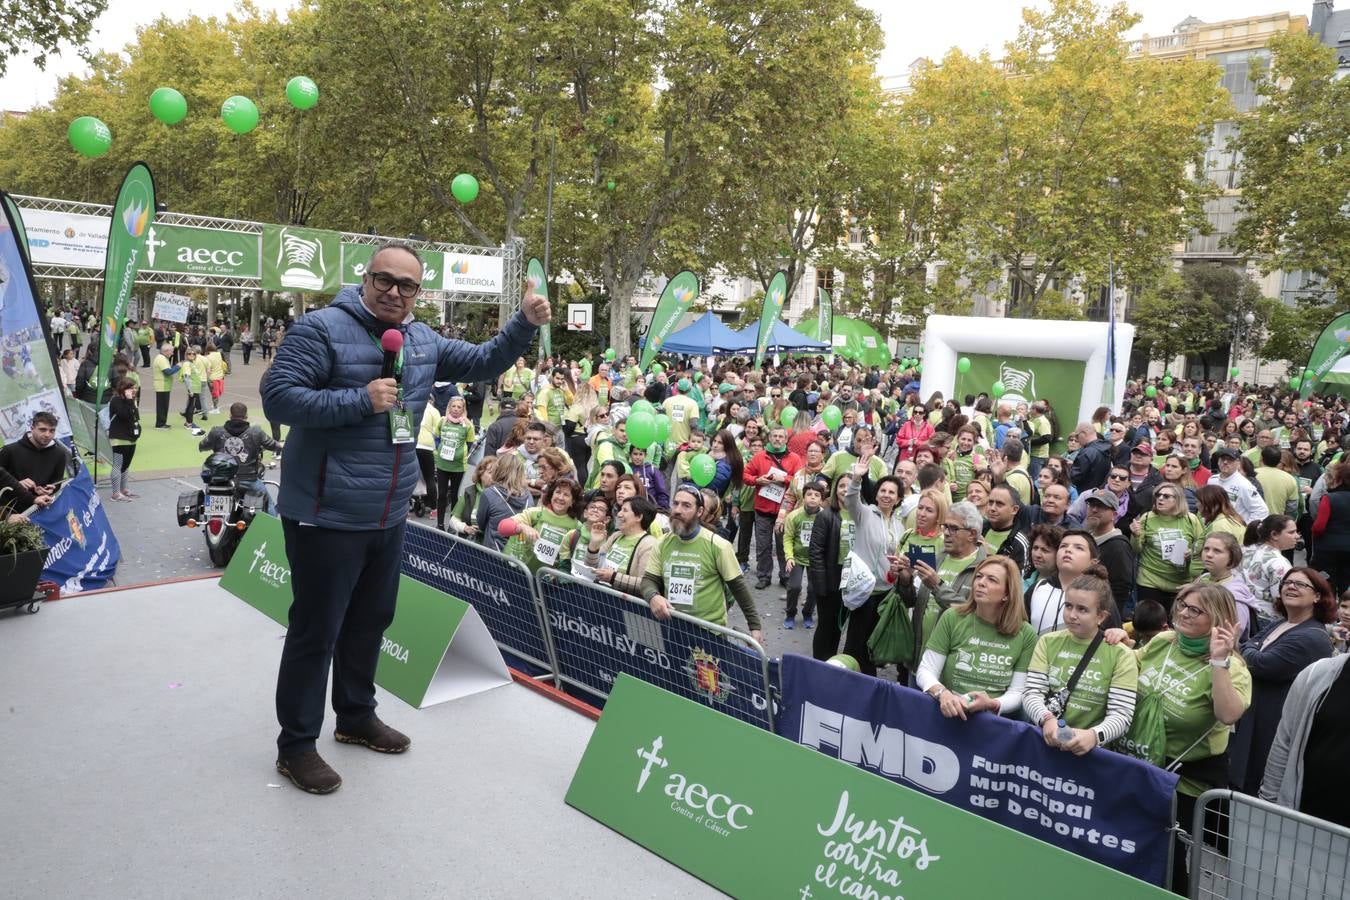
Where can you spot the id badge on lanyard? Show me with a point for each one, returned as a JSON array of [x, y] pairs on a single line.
[[400, 417]]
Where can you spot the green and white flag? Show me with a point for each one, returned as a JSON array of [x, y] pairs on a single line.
[[773, 305], [131, 215], [675, 301], [1332, 344], [824, 315], [536, 285]]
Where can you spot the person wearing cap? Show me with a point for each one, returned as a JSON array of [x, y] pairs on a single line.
[[1244, 496], [1114, 550], [683, 413], [1143, 480]]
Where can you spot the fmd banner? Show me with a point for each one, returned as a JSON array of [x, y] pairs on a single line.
[[1102, 806], [82, 552]]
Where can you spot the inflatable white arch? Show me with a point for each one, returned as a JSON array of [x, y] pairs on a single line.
[[948, 338]]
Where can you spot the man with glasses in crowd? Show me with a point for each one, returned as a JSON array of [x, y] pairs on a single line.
[[1093, 460], [1143, 480], [348, 477]]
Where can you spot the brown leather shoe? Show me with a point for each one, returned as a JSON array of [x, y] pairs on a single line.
[[310, 773], [376, 735]]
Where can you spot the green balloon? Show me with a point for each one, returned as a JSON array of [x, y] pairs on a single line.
[[641, 429], [1150, 391], [464, 187], [642, 406], [997, 390], [610, 185], [1233, 371], [918, 367], [963, 364], [702, 469], [1308, 373], [1167, 381], [89, 136], [657, 368], [832, 417], [610, 354], [167, 105], [239, 114], [662, 428], [788, 416], [302, 92], [843, 661], [1294, 383]]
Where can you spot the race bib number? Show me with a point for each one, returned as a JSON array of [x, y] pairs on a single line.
[[550, 540], [806, 533], [677, 414], [617, 558], [1172, 546], [774, 493], [680, 584], [451, 439]]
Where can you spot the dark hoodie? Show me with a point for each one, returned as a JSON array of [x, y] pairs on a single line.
[[242, 441], [22, 459]]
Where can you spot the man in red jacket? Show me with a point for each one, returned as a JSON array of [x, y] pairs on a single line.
[[769, 471]]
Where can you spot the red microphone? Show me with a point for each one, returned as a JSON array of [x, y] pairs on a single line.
[[392, 344]]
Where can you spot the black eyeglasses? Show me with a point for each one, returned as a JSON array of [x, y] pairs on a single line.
[[1117, 476], [383, 281], [952, 529]]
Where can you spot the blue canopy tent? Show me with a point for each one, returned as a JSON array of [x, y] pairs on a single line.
[[783, 339], [706, 336]]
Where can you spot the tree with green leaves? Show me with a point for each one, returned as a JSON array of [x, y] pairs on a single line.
[[1085, 157], [44, 27], [1296, 169], [1170, 319]]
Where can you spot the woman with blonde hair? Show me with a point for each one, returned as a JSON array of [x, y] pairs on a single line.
[[508, 495], [977, 656]]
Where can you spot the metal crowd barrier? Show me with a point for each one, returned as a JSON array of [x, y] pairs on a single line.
[[598, 632], [1245, 848], [500, 588]]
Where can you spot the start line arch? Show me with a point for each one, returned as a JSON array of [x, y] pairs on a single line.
[[68, 241]]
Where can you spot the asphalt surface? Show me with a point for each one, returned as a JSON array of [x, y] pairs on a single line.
[[155, 548]]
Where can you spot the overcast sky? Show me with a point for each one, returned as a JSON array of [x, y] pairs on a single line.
[[913, 29]]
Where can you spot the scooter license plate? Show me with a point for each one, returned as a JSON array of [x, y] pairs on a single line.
[[218, 505]]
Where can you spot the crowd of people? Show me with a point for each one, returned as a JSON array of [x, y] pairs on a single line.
[[1132, 581]]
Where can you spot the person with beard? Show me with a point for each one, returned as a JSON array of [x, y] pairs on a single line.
[[692, 570]]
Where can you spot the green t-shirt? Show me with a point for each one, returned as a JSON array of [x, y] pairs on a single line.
[[548, 550], [620, 552], [159, 367], [517, 381], [960, 468], [1185, 685], [693, 573], [1058, 653], [192, 375], [797, 528], [847, 528], [144, 336], [995, 539], [585, 366], [1040, 427], [455, 440], [1164, 539], [979, 658], [841, 462], [1279, 489], [553, 402], [683, 413]]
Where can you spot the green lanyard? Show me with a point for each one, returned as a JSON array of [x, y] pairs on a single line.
[[400, 420], [398, 367]]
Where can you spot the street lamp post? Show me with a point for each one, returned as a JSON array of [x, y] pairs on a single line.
[[1249, 317]]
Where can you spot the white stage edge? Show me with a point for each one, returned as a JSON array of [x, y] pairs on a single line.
[[139, 733]]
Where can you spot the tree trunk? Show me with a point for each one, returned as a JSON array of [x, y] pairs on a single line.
[[255, 313], [212, 299]]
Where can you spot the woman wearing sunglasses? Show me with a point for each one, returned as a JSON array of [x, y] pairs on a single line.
[[1275, 656], [1165, 539]]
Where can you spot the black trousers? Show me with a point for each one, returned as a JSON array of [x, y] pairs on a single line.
[[345, 586], [426, 462], [447, 492], [248, 351], [162, 407], [744, 532], [145, 356], [831, 619]]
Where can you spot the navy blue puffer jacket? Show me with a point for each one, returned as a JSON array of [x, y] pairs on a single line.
[[340, 469]]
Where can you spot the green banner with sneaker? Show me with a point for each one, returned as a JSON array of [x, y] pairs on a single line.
[[1025, 379], [436, 649], [300, 259], [755, 815]]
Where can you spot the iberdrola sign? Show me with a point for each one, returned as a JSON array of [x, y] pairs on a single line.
[[773, 305], [679, 294], [131, 215]]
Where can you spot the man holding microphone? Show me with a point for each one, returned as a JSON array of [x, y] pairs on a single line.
[[352, 380]]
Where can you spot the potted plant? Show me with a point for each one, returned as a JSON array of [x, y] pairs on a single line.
[[22, 554]]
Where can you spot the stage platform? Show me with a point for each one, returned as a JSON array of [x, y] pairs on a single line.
[[138, 731]]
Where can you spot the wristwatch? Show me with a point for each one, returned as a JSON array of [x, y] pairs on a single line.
[[1221, 663], [1101, 737]]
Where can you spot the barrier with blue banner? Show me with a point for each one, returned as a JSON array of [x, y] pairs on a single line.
[[1103, 806], [598, 633], [82, 553], [498, 587]]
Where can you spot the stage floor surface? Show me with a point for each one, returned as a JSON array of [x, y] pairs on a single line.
[[138, 732]]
